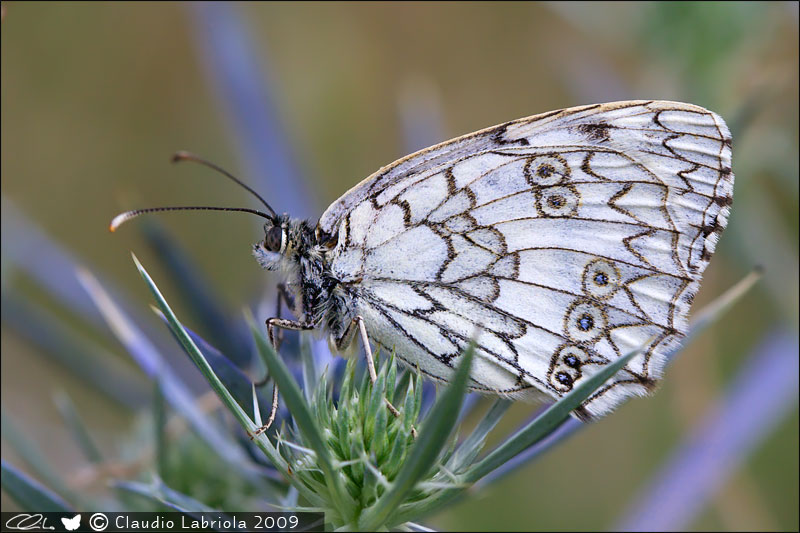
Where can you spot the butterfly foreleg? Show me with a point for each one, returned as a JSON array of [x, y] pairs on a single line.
[[286, 297], [284, 323], [272, 412], [281, 323]]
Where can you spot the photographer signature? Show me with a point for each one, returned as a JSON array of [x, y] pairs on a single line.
[[26, 522]]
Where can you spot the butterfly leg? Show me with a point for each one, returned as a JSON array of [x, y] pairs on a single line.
[[280, 323], [373, 376], [343, 341], [285, 297], [283, 323], [362, 329], [272, 412]]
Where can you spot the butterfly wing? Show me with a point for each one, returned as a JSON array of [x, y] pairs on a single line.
[[568, 239]]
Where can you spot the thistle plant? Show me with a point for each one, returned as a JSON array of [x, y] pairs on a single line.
[[338, 450], [351, 458]]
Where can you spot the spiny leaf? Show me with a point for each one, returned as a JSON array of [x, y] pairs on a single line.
[[432, 436], [29, 494], [296, 404]]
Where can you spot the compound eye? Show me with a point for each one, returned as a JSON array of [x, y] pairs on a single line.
[[274, 239]]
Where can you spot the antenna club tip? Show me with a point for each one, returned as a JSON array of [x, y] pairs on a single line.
[[118, 220], [181, 155]]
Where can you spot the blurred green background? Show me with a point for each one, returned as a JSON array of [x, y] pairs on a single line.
[[96, 97]]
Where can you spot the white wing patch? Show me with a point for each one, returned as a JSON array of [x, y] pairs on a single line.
[[566, 240]]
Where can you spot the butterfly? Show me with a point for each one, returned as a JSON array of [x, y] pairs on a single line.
[[558, 242]]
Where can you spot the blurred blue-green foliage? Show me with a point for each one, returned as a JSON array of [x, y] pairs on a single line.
[[96, 97]]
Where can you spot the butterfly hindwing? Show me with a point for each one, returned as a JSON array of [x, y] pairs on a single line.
[[568, 239]]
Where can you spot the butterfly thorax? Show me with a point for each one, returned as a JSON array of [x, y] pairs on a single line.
[[294, 251]]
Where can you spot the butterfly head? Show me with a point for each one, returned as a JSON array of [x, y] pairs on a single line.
[[281, 241]]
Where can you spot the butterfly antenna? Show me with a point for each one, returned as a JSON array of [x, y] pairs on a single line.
[[187, 156], [127, 215]]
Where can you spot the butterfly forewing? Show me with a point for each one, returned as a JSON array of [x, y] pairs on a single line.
[[563, 240]]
